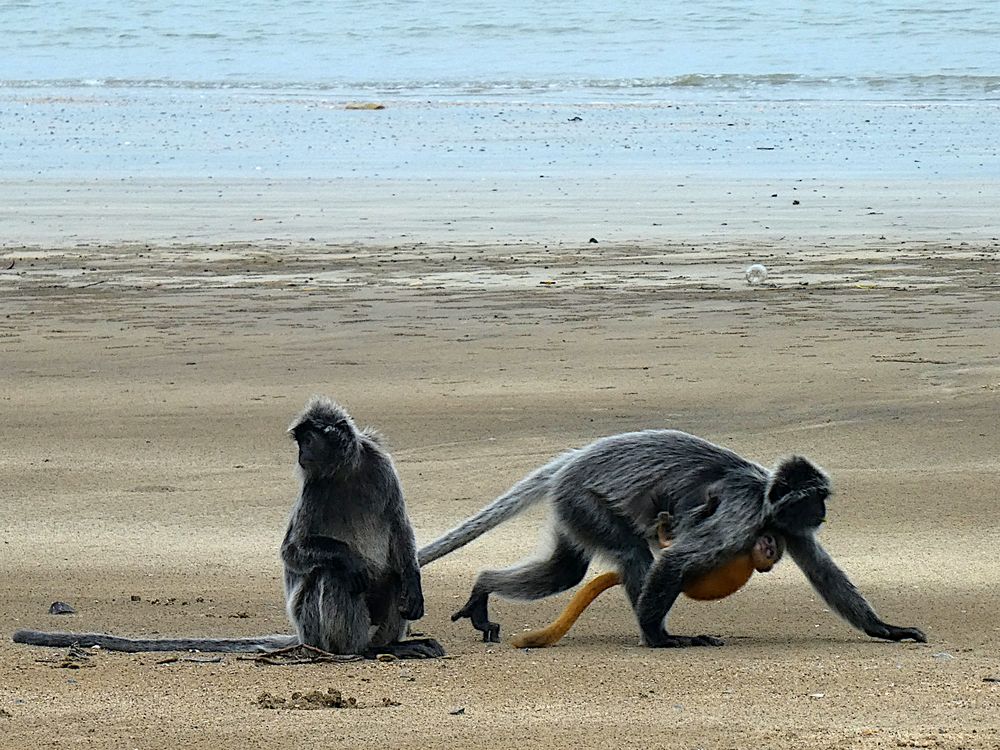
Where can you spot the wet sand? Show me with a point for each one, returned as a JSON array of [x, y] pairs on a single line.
[[782, 211], [145, 393]]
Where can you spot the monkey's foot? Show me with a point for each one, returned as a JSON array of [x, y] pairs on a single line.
[[686, 641], [893, 633], [415, 648], [476, 610]]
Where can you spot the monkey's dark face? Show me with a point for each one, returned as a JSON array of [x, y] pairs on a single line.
[[797, 492], [325, 446], [801, 511]]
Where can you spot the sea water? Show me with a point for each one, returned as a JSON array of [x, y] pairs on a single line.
[[556, 50], [581, 91]]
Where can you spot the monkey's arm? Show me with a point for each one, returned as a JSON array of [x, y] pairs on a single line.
[[411, 598], [663, 585], [301, 555], [843, 596], [403, 553], [681, 563], [411, 594]]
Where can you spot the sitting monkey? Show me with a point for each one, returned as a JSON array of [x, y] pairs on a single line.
[[717, 584]]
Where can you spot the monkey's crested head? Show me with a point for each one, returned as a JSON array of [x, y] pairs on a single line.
[[797, 491], [326, 436]]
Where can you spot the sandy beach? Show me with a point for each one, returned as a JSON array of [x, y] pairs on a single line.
[[146, 479], [495, 233]]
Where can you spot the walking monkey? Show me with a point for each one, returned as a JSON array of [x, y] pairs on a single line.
[[604, 498]]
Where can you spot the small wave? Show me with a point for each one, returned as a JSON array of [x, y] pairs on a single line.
[[191, 35], [771, 85]]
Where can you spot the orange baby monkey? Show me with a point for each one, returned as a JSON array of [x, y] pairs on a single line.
[[716, 584]]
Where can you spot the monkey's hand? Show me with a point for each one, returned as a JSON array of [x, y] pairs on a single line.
[[893, 633], [411, 604], [684, 641]]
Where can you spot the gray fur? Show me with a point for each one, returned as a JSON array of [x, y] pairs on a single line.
[[529, 491], [604, 498], [352, 583]]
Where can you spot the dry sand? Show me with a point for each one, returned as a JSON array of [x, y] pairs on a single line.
[[145, 394]]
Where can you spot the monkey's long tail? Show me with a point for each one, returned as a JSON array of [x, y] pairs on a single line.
[[550, 635], [529, 491], [254, 644]]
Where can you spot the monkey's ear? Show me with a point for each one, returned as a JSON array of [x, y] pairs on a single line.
[[796, 474]]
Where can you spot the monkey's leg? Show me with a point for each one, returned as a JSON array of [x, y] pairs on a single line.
[[534, 579], [384, 604], [550, 635], [411, 648], [328, 616], [590, 521]]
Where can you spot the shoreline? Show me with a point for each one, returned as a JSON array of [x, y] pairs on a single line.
[[176, 167], [710, 268], [566, 211]]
